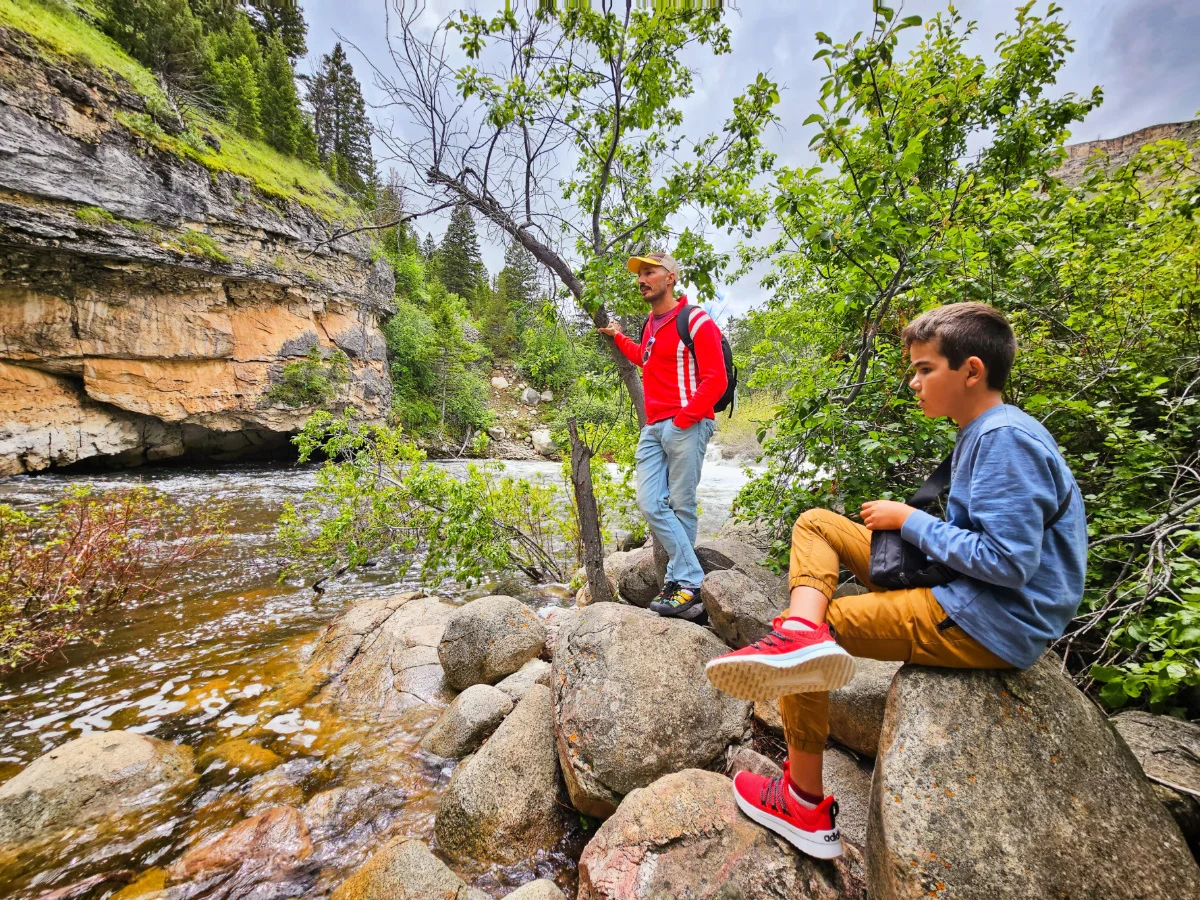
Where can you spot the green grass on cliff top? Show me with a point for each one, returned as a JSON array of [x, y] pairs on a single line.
[[60, 31]]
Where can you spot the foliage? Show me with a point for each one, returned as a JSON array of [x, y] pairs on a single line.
[[1098, 279], [279, 105], [60, 31], [343, 134], [376, 494], [94, 215], [64, 567], [547, 358], [511, 306], [162, 35], [460, 264], [608, 84], [312, 381]]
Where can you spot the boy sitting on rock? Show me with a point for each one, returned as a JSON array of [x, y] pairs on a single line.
[[1020, 570]]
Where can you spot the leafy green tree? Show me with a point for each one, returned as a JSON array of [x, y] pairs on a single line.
[[609, 84], [313, 381], [343, 134], [460, 263], [512, 304], [279, 105], [1097, 278]]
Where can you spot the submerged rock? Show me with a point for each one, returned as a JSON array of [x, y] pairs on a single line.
[[262, 857], [471, 718], [240, 755], [487, 639], [1007, 784], [683, 836], [379, 659], [403, 869], [504, 804], [632, 703], [100, 775]]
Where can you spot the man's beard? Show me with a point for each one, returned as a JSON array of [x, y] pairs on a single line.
[[654, 298]]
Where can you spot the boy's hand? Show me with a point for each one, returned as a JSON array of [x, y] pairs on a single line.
[[885, 515], [612, 329]]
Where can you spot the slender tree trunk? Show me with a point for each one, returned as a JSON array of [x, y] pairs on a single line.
[[589, 520]]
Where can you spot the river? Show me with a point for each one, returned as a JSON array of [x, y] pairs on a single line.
[[189, 668]]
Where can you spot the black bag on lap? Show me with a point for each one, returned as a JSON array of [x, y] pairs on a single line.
[[896, 563]]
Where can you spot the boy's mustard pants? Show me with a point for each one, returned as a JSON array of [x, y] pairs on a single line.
[[907, 625]]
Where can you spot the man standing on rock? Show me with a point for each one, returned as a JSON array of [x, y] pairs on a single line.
[[681, 385]]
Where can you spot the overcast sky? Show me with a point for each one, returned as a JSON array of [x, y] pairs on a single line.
[[1144, 53]]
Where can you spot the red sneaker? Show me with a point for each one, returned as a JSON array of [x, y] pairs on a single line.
[[768, 802], [786, 661]]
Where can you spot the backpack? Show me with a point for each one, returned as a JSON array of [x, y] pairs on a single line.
[[727, 400]]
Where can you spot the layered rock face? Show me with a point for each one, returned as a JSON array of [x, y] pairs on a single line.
[[147, 305]]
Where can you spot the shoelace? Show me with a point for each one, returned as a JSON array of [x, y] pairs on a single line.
[[676, 599], [774, 795], [776, 637]]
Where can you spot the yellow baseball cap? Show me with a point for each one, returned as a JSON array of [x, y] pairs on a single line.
[[653, 259]]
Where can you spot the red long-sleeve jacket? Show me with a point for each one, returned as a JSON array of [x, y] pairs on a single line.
[[669, 377]]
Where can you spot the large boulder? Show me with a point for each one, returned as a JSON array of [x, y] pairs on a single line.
[[97, 776], [1168, 750], [504, 803], [531, 396], [536, 671], [1009, 784], [638, 581], [632, 703], [379, 659], [716, 554], [543, 443], [403, 869], [489, 638], [683, 836], [856, 709], [758, 535], [262, 857], [739, 612], [471, 718]]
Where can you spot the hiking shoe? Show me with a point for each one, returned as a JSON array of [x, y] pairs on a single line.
[[768, 801], [668, 588], [680, 603], [786, 661]]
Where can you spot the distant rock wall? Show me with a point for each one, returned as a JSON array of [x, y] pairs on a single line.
[[1120, 150], [148, 304]]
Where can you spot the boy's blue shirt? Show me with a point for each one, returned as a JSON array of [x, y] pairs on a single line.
[[1021, 585]]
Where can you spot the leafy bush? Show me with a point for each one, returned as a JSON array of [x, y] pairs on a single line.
[[1097, 278], [547, 358], [312, 381], [376, 494], [65, 566]]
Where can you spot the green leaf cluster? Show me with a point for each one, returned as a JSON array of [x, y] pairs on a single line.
[[314, 381], [938, 183]]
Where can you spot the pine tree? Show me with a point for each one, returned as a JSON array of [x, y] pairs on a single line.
[[460, 264], [510, 304], [340, 122], [164, 35], [238, 63], [283, 19], [279, 105], [429, 248]]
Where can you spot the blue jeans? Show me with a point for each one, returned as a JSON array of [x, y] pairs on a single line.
[[669, 460]]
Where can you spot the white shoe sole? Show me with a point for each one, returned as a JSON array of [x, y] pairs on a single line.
[[824, 667], [821, 844]]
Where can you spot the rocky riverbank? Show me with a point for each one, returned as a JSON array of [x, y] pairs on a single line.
[[589, 733]]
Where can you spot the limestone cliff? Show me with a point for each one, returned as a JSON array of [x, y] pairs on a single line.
[[1120, 150], [148, 302]]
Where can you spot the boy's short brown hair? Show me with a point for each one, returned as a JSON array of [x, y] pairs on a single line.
[[964, 330]]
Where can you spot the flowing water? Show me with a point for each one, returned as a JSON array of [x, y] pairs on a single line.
[[206, 664]]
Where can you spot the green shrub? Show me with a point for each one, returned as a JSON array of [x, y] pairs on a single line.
[[547, 358], [313, 381], [94, 215]]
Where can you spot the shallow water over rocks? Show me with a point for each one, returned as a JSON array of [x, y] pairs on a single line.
[[213, 665]]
